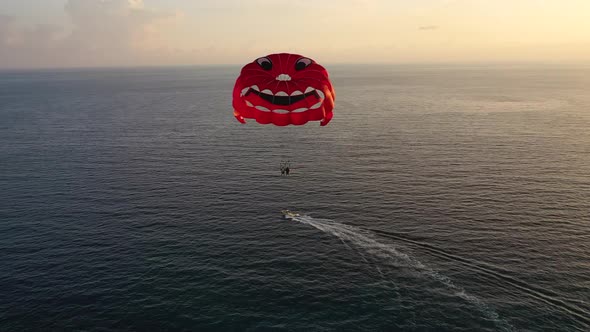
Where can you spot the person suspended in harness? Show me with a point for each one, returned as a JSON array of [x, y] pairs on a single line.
[[285, 167]]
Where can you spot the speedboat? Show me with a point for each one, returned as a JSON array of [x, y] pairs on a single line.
[[291, 214]]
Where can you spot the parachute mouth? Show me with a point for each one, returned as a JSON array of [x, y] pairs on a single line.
[[282, 99]]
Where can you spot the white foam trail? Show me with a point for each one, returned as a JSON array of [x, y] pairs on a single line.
[[365, 240]]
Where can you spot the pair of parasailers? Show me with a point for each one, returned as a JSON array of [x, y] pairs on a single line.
[[285, 168]]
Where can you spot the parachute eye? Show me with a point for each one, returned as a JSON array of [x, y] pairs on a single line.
[[302, 63], [265, 63]]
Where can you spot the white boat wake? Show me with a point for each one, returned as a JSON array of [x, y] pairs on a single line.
[[365, 241]]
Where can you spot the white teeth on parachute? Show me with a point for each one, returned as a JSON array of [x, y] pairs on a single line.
[[283, 93], [317, 105]]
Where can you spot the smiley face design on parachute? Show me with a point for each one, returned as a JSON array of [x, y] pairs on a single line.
[[283, 89]]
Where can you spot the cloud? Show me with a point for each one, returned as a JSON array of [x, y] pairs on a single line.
[[428, 27], [22, 45], [13, 34], [103, 32], [119, 23]]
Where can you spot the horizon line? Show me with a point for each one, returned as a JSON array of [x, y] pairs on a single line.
[[417, 63]]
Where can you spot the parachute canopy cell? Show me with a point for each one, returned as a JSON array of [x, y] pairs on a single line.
[[283, 89]]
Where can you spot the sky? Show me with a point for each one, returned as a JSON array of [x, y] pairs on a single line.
[[97, 33]]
